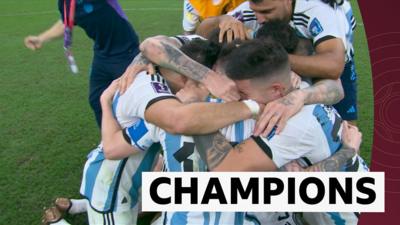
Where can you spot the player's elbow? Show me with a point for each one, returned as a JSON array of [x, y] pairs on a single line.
[[111, 152], [335, 71], [335, 64], [151, 48]]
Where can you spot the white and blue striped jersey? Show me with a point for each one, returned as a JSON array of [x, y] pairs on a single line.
[[191, 17], [352, 24], [112, 185], [180, 155], [313, 20], [312, 135]]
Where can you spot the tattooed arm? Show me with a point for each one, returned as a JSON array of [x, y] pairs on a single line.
[[219, 154], [331, 164], [249, 156], [324, 91], [139, 64], [278, 112], [165, 53]]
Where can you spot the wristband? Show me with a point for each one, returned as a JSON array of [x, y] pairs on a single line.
[[253, 106]]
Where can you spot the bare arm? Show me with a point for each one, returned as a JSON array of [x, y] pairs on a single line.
[[230, 28], [331, 164], [195, 118], [207, 25], [216, 150], [36, 42], [278, 112], [328, 62], [325, 91], [160, 50]]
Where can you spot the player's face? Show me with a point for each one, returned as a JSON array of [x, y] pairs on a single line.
[[268, 10], [262, 94]]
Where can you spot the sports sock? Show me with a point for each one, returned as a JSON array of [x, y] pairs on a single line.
[[78, 206]]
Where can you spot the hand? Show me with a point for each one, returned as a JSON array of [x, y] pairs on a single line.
[[278, 112], [221, 87], [232, 29], [351, 136], [108, 95], [33, 42], [139, 64], [292, 166], [192, 92]]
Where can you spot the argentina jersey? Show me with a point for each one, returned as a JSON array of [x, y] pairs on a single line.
[[180, 155], [244, 14], [346, 7], [318, 21], [357, 164], [112, 185], [312, 135], [313, 20]]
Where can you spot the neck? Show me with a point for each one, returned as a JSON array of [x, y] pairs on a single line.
[[165, 74]]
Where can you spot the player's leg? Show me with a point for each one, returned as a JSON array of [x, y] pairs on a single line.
[[98, 81], [347, 108], [103, 72]]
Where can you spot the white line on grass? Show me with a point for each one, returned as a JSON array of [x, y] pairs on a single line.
[[54, 11]]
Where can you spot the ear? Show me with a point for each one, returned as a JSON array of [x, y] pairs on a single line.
[[289, 4]]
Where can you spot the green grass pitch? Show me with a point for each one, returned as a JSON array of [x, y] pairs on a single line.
[[46, 125]]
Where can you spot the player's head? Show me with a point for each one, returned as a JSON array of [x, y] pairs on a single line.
[[204, 52], [281, 32], [224, 52], [201, 51], [260, 70], [268, 10]]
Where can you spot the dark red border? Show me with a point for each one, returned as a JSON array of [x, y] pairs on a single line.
[[382, 24]]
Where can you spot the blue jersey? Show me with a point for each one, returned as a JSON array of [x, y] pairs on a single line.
[[106, 24]]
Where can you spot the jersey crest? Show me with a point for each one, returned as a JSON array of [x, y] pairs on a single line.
[[315, 27]]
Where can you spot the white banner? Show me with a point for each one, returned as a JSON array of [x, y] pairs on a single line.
[[264, 191]]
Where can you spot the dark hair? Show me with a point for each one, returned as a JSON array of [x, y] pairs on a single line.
[[256, 1], [213, 36], [226, 49], [202, 51], [332, 3], [281, 32], [255, 59]]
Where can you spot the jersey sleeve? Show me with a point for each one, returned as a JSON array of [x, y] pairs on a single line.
[[244, 14], [141, 134], [190, 17], [184, 39], [295, 141], [145, 91], [325, 23]]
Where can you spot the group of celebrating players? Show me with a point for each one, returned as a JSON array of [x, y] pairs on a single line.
[[251, 91]]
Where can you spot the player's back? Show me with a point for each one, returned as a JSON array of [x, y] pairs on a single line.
[[181, 155], [112, 185]]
